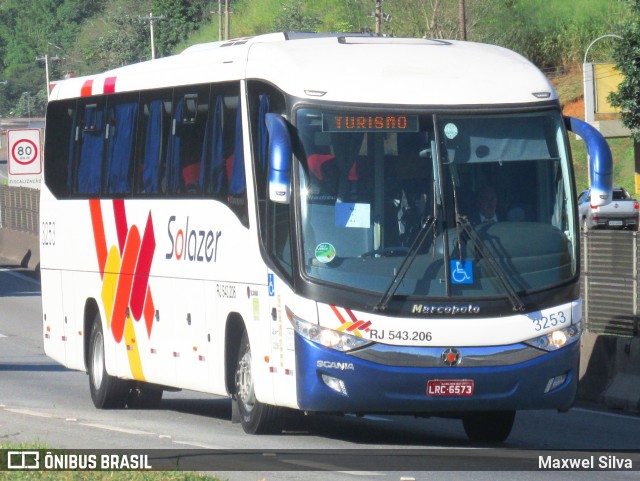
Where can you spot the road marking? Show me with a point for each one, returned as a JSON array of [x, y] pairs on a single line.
[[198, 445], [606, 413], [362, 473], [28, 412], [2, 335], [325, 466], [379, 418], [117, 429]]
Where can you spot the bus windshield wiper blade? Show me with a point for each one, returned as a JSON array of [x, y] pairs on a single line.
[[427, 225], [489, 256]]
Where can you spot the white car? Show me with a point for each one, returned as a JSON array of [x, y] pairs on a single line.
[[620, 213]]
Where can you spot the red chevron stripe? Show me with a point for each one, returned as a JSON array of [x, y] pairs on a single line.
[[121, 223], [355, 325], [351, 315], [143, 267], [125, 279], [98, 234]]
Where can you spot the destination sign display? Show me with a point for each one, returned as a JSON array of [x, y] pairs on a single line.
[[346, 122]]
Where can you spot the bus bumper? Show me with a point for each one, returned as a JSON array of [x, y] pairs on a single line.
[[333, 381]]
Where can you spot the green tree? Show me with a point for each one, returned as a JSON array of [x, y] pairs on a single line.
[[626, 54], [123, 40], [294, 16], [182, 17], [29, 30], [30, 105]]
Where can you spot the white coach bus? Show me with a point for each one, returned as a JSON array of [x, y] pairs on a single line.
[[292, 220]]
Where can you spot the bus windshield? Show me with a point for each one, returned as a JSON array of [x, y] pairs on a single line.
[[489, 195]]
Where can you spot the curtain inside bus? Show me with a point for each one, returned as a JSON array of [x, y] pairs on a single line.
[[153, 148], [120, 150], [91, 150], [215, 161]]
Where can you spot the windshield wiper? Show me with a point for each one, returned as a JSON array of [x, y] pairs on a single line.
[[488, 255], [428, 224]]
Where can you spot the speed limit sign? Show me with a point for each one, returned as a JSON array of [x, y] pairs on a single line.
[[24, 157]]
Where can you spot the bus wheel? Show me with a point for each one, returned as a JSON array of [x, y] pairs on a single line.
[[107, 392], [255, 417], [145, 396], [489, 427]]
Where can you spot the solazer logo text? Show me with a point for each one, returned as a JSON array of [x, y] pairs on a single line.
[[193, 245]]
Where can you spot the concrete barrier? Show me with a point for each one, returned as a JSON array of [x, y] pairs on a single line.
[[19, 248], [623, 392]]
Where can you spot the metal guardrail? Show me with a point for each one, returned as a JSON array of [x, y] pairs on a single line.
[[19, 209], [609, 284]]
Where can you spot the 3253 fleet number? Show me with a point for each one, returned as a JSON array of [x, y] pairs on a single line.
[[552, 320]]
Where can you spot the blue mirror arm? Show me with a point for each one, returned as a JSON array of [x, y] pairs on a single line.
[[600, 160], [280, 154]]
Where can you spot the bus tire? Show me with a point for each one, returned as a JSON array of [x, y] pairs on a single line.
[[107, 392], [489, 427], [255, 417], [145, 396]]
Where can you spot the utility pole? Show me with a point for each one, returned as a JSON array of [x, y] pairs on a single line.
[[463, 20], [151, 19], [379, 17], [219, 13], [227, 20], [219, 19], [46, 59]]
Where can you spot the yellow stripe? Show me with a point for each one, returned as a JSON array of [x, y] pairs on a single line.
[[132, 350], [112, 271]]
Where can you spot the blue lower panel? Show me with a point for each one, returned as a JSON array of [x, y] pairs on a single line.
[[377, 388]]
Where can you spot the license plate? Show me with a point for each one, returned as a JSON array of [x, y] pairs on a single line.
[[615, 222], [450, 387]]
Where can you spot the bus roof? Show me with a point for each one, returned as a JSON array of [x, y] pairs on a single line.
[[340, 67]]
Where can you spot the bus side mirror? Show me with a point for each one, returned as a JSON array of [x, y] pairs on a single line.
[[600, 160], [280, 153]]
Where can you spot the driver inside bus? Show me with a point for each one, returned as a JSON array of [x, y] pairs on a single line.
[[411, 215], [487, 202]]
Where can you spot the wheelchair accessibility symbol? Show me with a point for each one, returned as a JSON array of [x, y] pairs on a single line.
[[461, 272]]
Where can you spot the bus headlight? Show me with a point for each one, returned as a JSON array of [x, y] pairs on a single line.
[[556, 339], [324, 336]]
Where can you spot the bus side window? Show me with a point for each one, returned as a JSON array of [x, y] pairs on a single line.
[[187, 145], [222, 172], [153, 130], [237, 197], [59, 146], [274, 218], [121, 143], [91, 147]]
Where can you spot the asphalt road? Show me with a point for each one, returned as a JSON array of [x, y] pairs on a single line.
[[42, 402]]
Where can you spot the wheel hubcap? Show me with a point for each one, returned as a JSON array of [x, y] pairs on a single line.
[[97, 361], [244, 382]]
